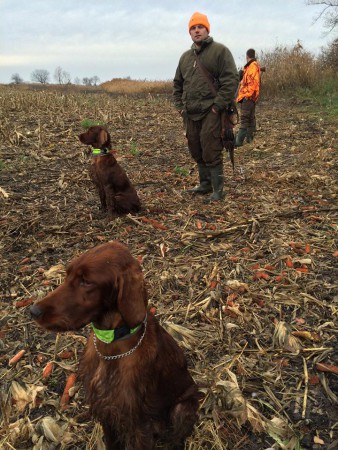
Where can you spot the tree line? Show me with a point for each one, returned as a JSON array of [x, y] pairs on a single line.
[[60, 77]]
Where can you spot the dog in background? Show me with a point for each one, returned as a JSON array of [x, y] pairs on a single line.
[[134, 373], [117, 194]]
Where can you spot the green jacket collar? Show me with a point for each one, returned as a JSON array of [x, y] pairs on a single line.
[[205, 43]]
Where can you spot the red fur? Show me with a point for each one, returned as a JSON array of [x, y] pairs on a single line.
[[141, 398], [117, 194]]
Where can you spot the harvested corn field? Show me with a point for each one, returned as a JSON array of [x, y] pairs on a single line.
[[248, 286]]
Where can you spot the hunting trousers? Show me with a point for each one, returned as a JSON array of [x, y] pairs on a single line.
[[204, 139], [248, 114]]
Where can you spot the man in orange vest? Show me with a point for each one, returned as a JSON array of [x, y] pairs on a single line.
[[247, 97]]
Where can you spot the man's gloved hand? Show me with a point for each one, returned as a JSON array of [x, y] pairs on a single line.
[[228, 135]]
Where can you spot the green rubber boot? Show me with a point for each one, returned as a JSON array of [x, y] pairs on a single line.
[[217, 181], [250, 135], [205, 181], [241, 135]]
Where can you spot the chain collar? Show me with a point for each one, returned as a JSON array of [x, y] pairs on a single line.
[[122, 355]]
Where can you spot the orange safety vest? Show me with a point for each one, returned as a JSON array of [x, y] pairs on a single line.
[[249, 86]]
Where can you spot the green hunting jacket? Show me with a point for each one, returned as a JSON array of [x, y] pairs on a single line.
[[192, 92]]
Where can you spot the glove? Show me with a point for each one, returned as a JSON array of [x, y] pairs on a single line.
[[229, 134]]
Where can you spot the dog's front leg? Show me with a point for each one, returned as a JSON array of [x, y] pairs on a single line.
[[141, 440], [111, 438], [110, 202], [183, 417], [103, 198]]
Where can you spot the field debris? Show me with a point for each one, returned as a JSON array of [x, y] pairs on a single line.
[[248, 286]]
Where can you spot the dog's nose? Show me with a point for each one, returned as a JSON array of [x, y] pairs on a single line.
[[35, 312]]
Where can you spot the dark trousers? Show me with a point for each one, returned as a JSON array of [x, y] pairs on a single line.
[[248, 114], [204, 139]]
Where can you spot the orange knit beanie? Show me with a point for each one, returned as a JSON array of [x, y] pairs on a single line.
[[199, 19]]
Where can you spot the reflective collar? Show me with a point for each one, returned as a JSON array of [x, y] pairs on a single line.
[[108, 336], [121, 355], [100, 151]]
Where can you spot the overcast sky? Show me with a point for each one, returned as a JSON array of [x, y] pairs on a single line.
[[142, 39]]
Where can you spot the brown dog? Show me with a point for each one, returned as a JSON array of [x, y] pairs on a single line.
[[134, 374], [117, 194]]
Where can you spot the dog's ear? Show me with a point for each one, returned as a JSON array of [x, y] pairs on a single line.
[[132, 295], [103, 138]]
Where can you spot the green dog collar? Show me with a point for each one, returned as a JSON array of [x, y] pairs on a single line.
[[109, 336], [100, 151]]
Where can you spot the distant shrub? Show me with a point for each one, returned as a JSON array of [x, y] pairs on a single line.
[[128, 86], [328, 58], [87, 123], [287, 69], [291, 70]]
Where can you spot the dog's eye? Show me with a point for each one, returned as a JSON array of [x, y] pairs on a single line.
[[84, 282]]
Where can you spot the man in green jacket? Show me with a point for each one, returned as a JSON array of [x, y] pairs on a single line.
[[201, 106]]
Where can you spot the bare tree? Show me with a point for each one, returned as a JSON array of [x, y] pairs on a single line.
[[329, 12], [95, 80], [40, 76], [92, 81], [58, 75], [87, 81], [61, 76], [16, 79]]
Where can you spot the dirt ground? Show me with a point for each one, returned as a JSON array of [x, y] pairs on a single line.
[[248, 286]]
